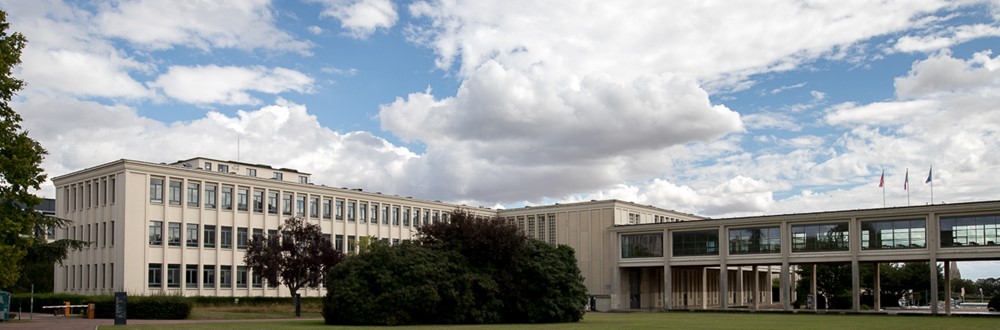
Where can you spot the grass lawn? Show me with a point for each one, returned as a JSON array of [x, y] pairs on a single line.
[[675, 320]]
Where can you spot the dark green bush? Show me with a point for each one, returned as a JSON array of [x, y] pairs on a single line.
[[994, 303], [139, 307], [466, 271]]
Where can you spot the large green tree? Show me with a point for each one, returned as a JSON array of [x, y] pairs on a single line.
[[27, 253], [20, 165], [467, 270]]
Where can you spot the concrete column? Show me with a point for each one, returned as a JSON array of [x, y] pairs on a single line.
[[786, 303], [934, 285], [855, 286], [740, 288], [668, 287], [616, 272], [756, 288], [813, 289], [878, 287], [723, 285], [704, 287], [947, 287]]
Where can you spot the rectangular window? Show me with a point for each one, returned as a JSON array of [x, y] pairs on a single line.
[[279, 176], [193, 198], [258, 201], [112, 193], [696, 243], [175, 192], [209, 236], [156, 233], [300, 206], [271, 233], [642, 245], [406, 217], [258, 233], [208, 166], [223, 168], [174, 234], [112, 233], [192, 235], [374, 213], [755, 240], [820, 237], [173, 276], [104, 192], [395, 215], [227, 197], [326, 208], [385, 214], [340, 209], [352, 244], [210, 195], [208, 273], [226, 237], [155, 191], [363, 212], [314, 207], [257, 280], [103, 233], [155, 275], [893, 234], [272, 202], [241, 237], [427, 217], [241, 276], [87, 195], [225, 276], [286, 204], [351, 207], [303, 179], [241, 199], [191, 276], [338, 243], [972, 230], [251, 172]]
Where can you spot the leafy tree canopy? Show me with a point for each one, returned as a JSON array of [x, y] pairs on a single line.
[[297, 257], [468, 270]]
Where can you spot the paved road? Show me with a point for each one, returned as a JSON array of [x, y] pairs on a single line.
[[45, 321]]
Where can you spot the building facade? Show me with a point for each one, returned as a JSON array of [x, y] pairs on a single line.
[[182, 228]]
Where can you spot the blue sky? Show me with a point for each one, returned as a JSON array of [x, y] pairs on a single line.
[[738, 108]]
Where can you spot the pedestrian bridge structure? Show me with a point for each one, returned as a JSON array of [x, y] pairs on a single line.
[[729, 263]]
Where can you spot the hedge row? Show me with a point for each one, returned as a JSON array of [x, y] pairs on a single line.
[[139, 307]]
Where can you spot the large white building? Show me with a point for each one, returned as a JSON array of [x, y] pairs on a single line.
[[182, 228]]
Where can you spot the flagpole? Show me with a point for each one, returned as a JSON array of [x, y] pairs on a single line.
[[881, 184]]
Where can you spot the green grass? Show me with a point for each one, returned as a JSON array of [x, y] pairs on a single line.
[[674, 320]]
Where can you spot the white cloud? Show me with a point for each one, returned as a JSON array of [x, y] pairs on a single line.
[[944, 73], [766, 120], [158, 25], [315, 29], [64, 56], [946, 38], [361, 18], [879, 113], [282, 134], [229, 85]]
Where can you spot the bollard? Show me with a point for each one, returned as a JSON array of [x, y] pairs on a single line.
[[66, 310], [90, 310]]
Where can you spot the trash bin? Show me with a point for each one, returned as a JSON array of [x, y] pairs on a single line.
[[90, 310]]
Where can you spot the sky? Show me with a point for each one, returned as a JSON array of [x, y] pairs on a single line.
[[720, 109]]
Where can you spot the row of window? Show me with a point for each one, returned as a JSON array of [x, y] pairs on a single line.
[[286, 203], [85, 277], [209, 235], [91, 193], [354, 243], [99, 234], [224, 168], [211, 276], [875, 235], [544, 229]]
